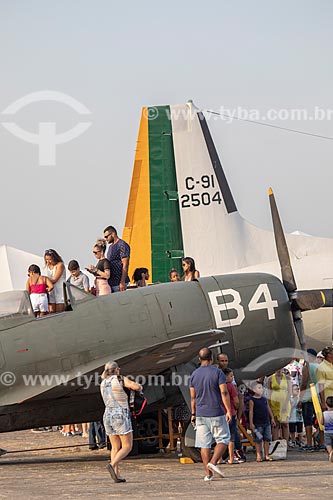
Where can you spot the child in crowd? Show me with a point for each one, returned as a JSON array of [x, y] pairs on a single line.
[[174, 275], [327, 421], [77, 277], [260, 420], [234, 403], [294, 370], [296, 418], [38, 286]]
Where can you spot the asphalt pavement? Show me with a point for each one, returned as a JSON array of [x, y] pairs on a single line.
[[80, 474]]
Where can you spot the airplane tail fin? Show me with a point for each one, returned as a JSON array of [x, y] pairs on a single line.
[[180, 202]]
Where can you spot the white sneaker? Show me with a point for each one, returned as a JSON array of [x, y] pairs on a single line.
[[215, 469], [330, 457], [209, 478]]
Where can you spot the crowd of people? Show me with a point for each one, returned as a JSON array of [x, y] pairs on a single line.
[[110, 274], [280, 406]]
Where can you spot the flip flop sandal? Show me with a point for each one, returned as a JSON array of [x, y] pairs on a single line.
[[112, 473]]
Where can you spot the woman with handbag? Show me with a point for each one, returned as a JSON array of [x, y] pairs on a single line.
[[117, 417]]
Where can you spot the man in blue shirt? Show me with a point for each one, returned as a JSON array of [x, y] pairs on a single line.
[[118, 254], [208, 390]]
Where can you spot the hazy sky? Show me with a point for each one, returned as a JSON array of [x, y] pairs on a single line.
[[115, 58]]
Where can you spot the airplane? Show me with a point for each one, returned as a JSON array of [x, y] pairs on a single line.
[[50, 366], [47, 362], [181, 204]]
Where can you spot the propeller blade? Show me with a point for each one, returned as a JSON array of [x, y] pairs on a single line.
[[328, 292], [281, 247], [300, 330], [308, 300], [300, 301]]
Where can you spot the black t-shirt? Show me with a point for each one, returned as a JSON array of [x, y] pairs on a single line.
[[103, 264]]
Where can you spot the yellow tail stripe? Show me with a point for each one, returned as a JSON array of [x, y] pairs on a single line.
[[137, 231]]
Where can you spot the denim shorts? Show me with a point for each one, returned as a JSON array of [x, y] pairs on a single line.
[[265, 431], [328, 439], [209, 429], [117, 421]]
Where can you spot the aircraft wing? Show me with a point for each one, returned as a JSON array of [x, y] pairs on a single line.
[[65, 402], [150, 361], [160, 357]]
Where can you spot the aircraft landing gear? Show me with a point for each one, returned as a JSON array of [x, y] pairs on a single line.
[[190, 451]]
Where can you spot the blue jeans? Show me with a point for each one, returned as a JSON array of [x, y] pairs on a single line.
[[233, 428], [96, 434], [117, 288], [238, 441]]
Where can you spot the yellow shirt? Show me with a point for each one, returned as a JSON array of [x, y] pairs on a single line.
[[325, 377]]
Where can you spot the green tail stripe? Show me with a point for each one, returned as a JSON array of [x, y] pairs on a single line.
[[166, 233]]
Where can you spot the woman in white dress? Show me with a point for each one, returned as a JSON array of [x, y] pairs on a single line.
[[55, 270]]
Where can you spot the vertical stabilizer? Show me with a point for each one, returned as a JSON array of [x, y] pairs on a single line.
[[180, 201]]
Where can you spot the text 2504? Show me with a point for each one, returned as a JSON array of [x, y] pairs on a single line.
[[197, 199]]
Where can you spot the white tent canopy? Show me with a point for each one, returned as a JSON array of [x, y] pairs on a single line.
[[14, 265]]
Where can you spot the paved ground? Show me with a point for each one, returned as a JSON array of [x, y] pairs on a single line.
[[76, 473]]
